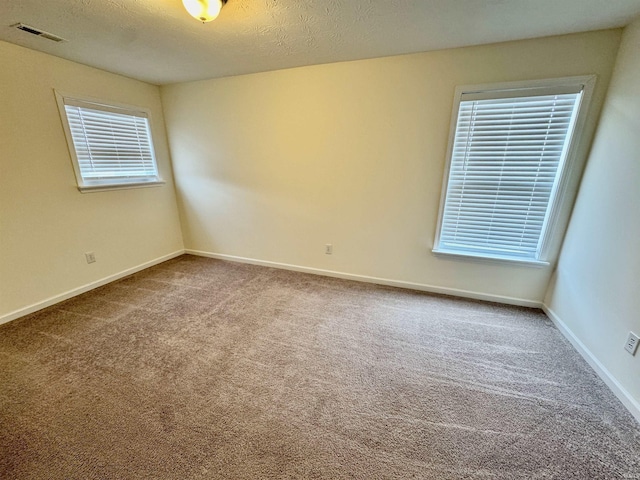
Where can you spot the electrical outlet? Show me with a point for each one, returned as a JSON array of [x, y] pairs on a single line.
[[90, 256], [631, 344], [328, 249]]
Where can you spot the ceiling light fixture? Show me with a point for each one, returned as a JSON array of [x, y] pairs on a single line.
[[204, 10]]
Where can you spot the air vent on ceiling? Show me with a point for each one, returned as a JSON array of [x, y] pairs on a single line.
[[37, 31]]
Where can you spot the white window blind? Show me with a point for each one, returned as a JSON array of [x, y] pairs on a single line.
[[506, 158], [112, 146]]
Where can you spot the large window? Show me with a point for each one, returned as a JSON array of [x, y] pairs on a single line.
[[111, 146], [508, 153]]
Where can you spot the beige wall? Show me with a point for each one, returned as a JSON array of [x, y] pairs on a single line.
[[596, 289], [46, 224], [273, 166]]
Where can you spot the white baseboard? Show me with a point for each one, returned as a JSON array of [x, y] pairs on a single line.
[[614, 385], [84, 288], [379, 281]]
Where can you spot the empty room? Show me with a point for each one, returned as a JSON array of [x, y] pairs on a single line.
[[340, 239]]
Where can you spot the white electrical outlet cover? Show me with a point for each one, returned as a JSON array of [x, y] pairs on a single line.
[[631, 344]]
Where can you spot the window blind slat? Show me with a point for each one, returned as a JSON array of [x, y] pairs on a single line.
[[506, 157], [111, 144]]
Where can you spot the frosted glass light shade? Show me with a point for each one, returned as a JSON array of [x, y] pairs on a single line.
[[203, 10]]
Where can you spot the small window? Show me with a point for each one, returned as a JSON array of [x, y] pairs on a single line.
[[111, 146], [507, 155]]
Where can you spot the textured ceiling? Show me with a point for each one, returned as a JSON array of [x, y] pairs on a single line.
[[157, 41]]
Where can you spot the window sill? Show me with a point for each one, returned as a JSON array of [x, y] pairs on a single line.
[[476, 257], [119, 186]]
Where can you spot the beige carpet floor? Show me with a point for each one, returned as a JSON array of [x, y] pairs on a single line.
[[204, 369]]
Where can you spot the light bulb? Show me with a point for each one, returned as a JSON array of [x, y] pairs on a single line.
[[203, 10]]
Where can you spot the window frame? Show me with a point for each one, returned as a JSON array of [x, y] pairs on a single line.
[[569, 169], [85, 186]]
